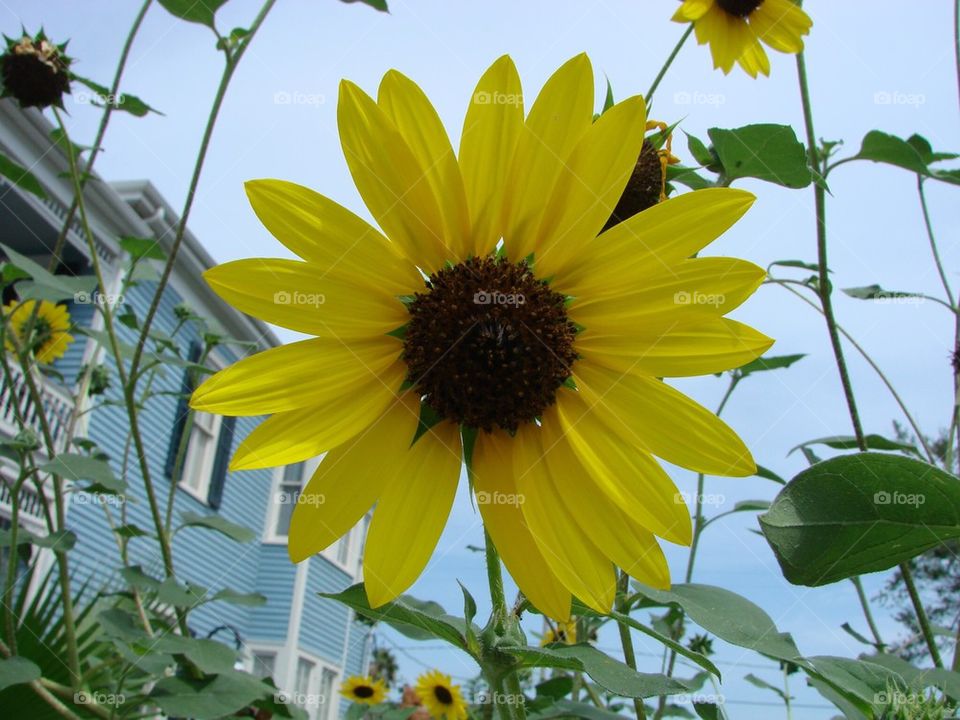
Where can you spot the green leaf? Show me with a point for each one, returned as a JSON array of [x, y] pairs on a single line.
[[380, 5], [766, 152], [761, 683], [47, 286], [137, 578], [122, 101], [860, 513], [198, 11], [235, 597], [613, 676], [698, 150], [848, 442], [919, 679], [687, 176], [556, 687], [608, 101], [140, 248], [701, 660], [891, 150], [21, 177], [862, 683], [709, 711], [16, 671], [171, 592], [729, 616], [428, 418], [796, 264], [240, 533], [62, 540], [77, 468], [763, 364], [214, 697], [768, 474], [210, 656], [570, 709], [412, 617]]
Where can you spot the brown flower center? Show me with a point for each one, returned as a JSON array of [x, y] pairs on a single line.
[[443, 695], [488, 344], [363, 691], [740, 8]]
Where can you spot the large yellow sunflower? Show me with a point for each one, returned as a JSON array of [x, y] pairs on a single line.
[[49, 338], [734, 29], [440, 696], [364, 690], [534, 347]]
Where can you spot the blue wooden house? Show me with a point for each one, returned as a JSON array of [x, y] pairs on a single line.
[[307, 644]]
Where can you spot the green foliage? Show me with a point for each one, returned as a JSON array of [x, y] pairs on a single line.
[[860, 513], [765, 151], [913, 154], [20, 176]]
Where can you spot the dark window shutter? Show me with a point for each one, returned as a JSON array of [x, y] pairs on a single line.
[[221, 462], [180, 419]]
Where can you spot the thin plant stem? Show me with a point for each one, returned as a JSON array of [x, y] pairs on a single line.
[[495, 579], [823, 289], [666, 65], [233, 59], [924, 623], [867, 614], [786, 690], [626, 640], [956, 42], [785, 284]]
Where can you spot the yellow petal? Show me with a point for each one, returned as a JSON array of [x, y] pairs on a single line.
[[695, 289], [296, 435], [728, 36], [327, 234], [629, 477], [661, 420], [350, 479], [310, 372], [411, 513], [569, 552], [303, 297], [390, 179], [417, 121], [558, 119], [692, 10], [490, 131], [623, 539], [781, 25], [590, 185], [492, 475], [754, 59], [697, 348], [653, 241]]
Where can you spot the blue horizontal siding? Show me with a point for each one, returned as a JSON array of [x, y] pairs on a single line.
[[275, 579], [324, 622]]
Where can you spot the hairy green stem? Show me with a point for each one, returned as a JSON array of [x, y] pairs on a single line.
[[626, 640], [868, 614], [922, 620], [648, 98], [823, 289]]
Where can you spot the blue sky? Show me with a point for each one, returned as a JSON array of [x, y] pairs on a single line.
[[279, 121]]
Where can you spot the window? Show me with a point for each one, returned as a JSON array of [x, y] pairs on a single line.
[[326, 696], [286, 498], [303, 689], [343, 547], [201, 449], [263, 664]]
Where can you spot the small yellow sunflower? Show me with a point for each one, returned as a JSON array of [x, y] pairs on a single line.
[[364, 689], [536, 347], [49, 339], [440, 696], [563, 633], [734, 29]]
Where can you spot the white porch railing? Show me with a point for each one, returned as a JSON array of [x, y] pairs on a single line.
[[17, 408]]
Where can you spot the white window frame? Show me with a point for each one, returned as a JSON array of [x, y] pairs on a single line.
[[285, 675], [201, 491]]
